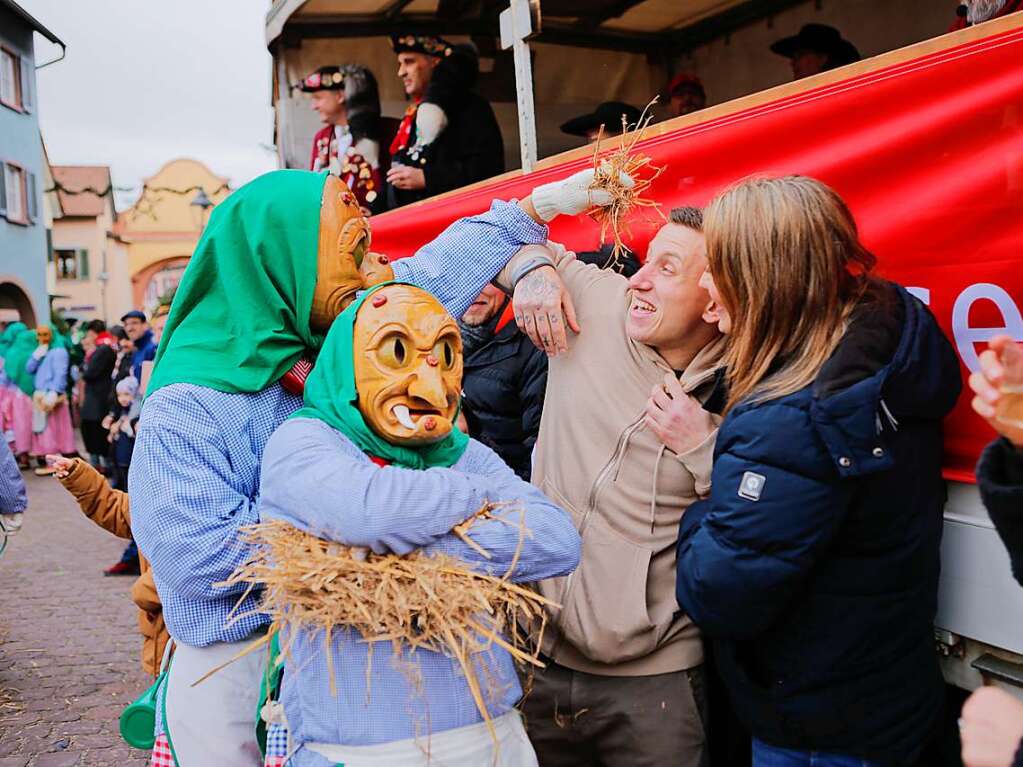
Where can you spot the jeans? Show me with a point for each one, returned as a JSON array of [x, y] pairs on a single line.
[[765, 755]]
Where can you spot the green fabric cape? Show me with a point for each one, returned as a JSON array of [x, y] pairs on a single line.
[[331, 396], [240, 317], [8, 336], [17, 357]]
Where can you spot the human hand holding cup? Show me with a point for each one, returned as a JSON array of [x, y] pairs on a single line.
[[998, 388]]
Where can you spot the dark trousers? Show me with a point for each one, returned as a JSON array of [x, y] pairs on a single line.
[[584, 720], [95, 438]]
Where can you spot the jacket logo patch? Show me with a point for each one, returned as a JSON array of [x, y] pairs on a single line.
[[752, 486]]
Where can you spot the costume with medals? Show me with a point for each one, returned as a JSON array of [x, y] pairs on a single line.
[[279, 259], [352, 151], [373, 461], [452, 134]]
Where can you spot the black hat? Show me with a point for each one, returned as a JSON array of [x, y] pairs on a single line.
[[428, 44], [819, 38], [323, 79], [609, 114], [134, 314]]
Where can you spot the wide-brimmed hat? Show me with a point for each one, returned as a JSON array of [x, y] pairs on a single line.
[[819, 38], [609, 114]]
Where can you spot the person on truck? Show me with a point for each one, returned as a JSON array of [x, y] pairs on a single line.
[[815, 49], [813, 565], [991, 726], [449, 136], [348, 146]]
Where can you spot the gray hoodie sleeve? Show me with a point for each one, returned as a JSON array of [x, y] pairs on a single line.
[[13, 499]]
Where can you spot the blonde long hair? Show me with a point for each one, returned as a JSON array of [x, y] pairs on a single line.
[[789, 267]]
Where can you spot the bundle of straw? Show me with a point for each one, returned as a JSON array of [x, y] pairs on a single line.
[[609, 171], [415, 601]]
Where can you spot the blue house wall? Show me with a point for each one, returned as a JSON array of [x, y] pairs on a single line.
[[23, 248]]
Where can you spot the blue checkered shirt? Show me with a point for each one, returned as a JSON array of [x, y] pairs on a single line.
[[316, 479], [12, 487], [195, 471]]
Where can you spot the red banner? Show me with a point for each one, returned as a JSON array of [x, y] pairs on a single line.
[[928, 153]]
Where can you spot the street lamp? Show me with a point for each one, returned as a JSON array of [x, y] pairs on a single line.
[[202, 204]]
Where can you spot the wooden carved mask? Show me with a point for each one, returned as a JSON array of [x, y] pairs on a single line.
[[343, 265], [407, 353]]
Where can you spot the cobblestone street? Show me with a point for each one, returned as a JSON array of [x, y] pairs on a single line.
[[69, 646]]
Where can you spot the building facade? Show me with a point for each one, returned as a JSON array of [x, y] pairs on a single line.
[[23, 234], [90, 265], [160, 231]]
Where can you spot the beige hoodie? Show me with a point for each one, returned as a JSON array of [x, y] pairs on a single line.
[[625, 490]]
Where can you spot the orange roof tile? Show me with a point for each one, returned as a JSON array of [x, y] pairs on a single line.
[[75, 178]]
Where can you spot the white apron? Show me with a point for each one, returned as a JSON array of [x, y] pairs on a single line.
[[470, 746], [214, 723]]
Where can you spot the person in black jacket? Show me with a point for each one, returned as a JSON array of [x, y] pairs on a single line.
[[96, 372], [991, 728], [449, 136], [503, 381], [813, 565]]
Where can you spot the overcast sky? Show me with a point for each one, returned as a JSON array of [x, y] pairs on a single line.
[[148, 82]]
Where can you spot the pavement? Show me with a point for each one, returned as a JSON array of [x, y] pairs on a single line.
[[69, 643]]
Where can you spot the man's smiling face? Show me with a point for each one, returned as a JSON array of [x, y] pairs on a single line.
[[667, 302]]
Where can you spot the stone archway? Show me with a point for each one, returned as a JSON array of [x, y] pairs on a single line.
[[150, 283], [13, 297]]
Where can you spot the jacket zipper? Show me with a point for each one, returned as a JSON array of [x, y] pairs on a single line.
[[613, 463]]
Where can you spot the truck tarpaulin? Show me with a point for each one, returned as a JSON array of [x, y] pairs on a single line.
[[928, 152]]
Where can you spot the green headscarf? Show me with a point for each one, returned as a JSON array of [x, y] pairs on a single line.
[[17, 358], [7, 337], [240, 317], [331, 396]]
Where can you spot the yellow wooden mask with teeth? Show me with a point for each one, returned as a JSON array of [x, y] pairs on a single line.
[[407, 353]]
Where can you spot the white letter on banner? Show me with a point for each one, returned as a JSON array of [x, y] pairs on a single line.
[[966, 337], [924, 294]]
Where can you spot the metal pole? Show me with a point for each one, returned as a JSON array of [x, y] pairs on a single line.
[[516, 28]]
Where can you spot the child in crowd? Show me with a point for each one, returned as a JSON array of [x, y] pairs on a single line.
[[108, 508], [120, 422]]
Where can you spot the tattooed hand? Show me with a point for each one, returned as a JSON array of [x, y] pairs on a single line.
[[543, 308]]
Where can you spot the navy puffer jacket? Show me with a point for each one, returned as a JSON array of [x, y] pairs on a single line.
[[813, 566]]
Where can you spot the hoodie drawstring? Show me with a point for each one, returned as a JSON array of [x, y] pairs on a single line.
[[653, 490]]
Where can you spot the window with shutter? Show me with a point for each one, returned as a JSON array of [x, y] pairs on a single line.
[[14, 180], [67, 263], [3, 189], [83, 264], [10, 73], [33, 201]]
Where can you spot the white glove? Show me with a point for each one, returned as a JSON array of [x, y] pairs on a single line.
[[430, 121], [571, 196], [9, 435], [40, 352]]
